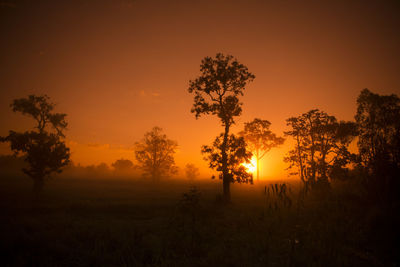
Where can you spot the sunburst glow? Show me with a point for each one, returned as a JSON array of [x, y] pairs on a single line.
[[252, 166]]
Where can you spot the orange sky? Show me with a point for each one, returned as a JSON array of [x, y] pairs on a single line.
[[120, 67]]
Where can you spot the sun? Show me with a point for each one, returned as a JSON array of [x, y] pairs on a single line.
[[252, 166]]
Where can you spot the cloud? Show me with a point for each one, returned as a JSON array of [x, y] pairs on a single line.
[[96, 145], [143, 93]]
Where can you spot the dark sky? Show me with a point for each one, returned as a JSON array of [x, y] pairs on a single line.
[[118, 68]]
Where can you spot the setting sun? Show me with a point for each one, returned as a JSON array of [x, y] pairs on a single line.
[[252, 166]]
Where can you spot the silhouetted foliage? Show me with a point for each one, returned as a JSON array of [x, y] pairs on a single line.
[[44, 148], [277, 197], [378, 121], [122, 165], [236, 154], [155, 154], [192, 172], [321, 145], [217, 91], [260, 139]]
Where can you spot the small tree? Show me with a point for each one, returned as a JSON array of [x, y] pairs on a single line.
[[44, 147], [122, 165], [260, 139], [217, 91], [155, 154], [192, 172]]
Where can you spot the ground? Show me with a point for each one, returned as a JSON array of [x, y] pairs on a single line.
[[132, 222]]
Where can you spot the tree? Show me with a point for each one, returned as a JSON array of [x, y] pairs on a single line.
[[192, 172], [378, 120], [122, 165], [236, 153], [321, 145], [155, 154], [259, 139], [44, 147], [216, 92]]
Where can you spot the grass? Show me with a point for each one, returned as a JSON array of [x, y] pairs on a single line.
[[122, 222]]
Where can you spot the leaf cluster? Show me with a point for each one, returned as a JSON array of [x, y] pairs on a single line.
[[321, 143], [378, 121], [237, 154], [259, 138], [43, 148], [216, 90]]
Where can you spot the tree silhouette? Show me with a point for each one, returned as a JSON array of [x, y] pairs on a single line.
[[378, 120], [155, 154], [44, 147], [260, 139], [122, 165], [192, 172], [321, 145], [216, 92], [236, 154]]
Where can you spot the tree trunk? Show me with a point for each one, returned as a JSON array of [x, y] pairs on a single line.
[[226, 179], [227, 190], [258, 170]]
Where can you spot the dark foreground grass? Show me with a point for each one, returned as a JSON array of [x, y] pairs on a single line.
[[79, 222]]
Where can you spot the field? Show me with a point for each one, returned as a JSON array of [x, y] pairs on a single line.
[[125, 222]]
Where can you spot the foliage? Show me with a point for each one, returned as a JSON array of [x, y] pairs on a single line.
[[321, 145], [378, 120], [236, 155], [216, 92], [155, 154], [122, 165], [44, 148], [260, 139], [192, 172], [277, 197]]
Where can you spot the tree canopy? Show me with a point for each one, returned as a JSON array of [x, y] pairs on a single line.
[[44, 147], [155, 154], [321, 145], [260, 139], [378, 120]]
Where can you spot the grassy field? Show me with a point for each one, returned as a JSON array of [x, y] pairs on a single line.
[[125, 222]]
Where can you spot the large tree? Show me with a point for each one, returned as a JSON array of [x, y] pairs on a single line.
[[155, 154], [321, 145], [216, 91], [260, 139], [44, 147], [378, 120]]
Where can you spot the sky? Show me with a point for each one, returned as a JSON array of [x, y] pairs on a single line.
[[119, 67]]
